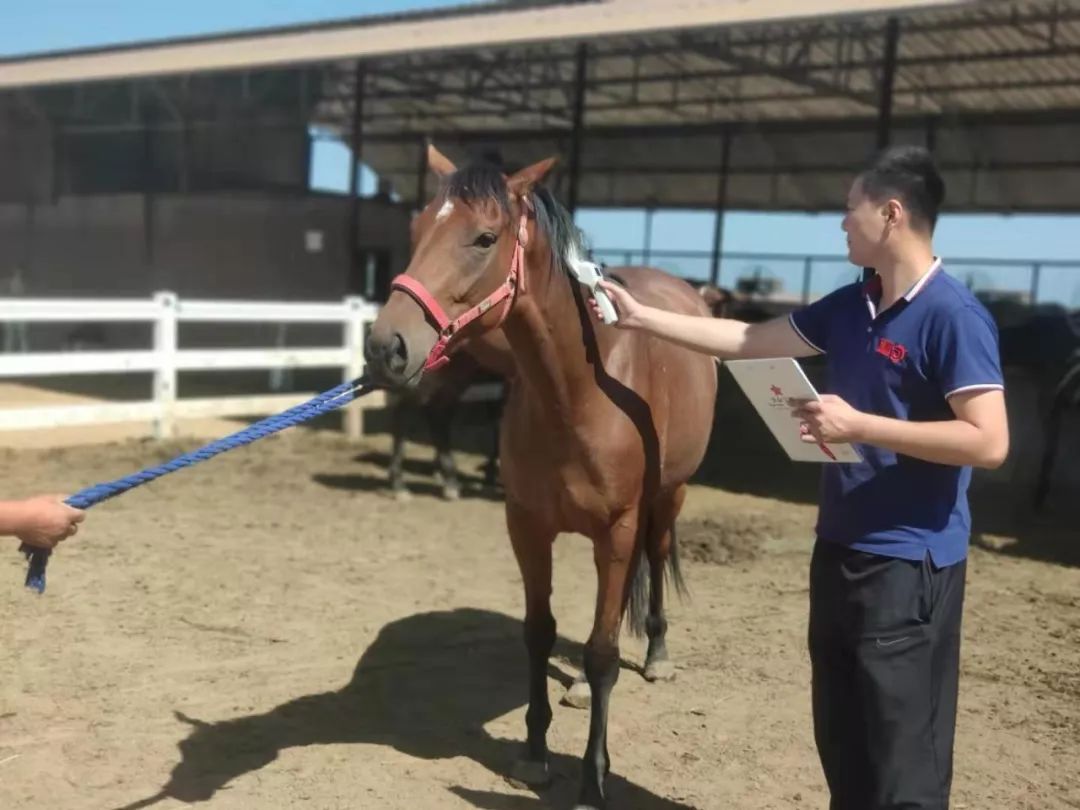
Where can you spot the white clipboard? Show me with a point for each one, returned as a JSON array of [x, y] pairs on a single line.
[[769, 384]]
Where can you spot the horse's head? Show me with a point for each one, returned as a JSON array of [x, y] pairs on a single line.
[[466, 271]]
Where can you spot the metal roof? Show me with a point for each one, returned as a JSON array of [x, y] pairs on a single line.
[[992, 87], [467, 27], [789, 91]]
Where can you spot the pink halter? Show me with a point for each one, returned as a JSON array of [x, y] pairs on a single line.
[[505, 292]]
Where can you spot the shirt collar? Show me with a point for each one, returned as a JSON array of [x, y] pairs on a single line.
[[872, 287], [917, 287]]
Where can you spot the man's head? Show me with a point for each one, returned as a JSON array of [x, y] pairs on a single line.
[[892, 202]]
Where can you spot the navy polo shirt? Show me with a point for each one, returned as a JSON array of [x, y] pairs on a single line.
[[903, 363]]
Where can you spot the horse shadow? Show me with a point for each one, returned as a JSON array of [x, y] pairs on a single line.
[[426, 687]]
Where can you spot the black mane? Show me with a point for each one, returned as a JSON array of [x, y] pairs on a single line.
[[479, 182]]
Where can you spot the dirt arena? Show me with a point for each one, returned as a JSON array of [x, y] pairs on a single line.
[[271, 631]]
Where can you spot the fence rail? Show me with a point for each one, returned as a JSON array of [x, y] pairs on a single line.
[[165, 311], [804, 278]]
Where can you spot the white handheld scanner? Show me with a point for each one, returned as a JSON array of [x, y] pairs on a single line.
[[589, 275]]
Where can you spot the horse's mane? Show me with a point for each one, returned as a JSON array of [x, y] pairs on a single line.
[[480, 182]]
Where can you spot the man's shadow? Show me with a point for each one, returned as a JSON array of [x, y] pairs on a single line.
[[426, 687]]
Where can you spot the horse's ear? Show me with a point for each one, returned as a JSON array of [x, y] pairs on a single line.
[[439, 163], [522, 182]]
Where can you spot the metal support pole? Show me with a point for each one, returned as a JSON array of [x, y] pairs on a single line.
[[305, 158], [1036, 274], [578, 131], [649, 212], [356, 143], [58, 145], [808, 271], [885, 106], [421, 176], [721, 204], [147, 181], [888, 80]]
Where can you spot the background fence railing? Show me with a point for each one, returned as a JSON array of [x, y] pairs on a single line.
[[803, 278], [165, 359]]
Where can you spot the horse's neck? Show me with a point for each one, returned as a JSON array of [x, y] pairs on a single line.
[[545, 333]]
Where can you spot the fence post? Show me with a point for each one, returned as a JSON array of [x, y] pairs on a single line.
[[1036, 272], [808, 265], [165, 345], [354, 365]]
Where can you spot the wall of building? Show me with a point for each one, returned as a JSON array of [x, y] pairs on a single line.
[[239, 245]]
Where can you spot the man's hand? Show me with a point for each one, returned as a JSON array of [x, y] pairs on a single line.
[[45, 520], [830, 420]]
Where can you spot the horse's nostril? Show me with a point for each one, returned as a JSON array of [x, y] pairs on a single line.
[[397, 355], [371, 351]]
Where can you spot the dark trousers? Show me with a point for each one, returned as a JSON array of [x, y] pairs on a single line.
[[885, 659]]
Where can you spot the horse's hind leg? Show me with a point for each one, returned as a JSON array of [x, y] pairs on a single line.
[[532, 547], [1067, 391], [661, 551]]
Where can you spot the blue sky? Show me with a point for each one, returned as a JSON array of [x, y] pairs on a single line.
[[48, 25]]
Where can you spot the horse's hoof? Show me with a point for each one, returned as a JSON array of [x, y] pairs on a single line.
[[451, 493], [578, 696], [528, 773], [402, 495], [659, 671]]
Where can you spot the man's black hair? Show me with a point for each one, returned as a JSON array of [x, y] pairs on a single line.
[[907, 173]]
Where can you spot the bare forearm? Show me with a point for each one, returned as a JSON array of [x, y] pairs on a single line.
[[717, 336], [954, 442], [723, 337], [12, 517]]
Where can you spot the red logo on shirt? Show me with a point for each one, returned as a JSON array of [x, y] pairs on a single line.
[[894, 351]]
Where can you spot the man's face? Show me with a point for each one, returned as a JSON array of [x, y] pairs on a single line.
[[866, 224]]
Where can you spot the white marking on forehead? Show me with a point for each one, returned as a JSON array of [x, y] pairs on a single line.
[[445, 211]]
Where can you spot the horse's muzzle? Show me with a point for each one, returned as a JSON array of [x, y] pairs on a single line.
[[387, 358]]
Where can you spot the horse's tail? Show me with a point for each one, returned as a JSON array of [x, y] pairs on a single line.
[[637, 606]]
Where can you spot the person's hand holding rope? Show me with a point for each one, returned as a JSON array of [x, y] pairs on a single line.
[[41, 522]]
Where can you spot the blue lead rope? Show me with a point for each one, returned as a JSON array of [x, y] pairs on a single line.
[[316, 406]]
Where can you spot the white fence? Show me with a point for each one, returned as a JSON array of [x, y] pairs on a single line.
[[165, 311]]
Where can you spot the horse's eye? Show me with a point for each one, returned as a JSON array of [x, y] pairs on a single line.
[[485, 240]]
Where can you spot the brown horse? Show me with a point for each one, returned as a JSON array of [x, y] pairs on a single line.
[[602, 428]]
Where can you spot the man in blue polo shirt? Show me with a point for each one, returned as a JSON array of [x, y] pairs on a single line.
[[914, 380]]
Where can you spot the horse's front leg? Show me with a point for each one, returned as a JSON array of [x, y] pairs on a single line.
[[532, 543], [440, 418], [615, 556], [399, 407]]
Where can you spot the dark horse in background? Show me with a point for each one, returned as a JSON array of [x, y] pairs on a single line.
[[602, 427], [1045, 340], [437, 400]]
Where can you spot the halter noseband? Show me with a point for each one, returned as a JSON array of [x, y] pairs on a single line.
[[506, 292]]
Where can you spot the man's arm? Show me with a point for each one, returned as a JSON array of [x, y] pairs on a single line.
[[978, 436], [721, 337]]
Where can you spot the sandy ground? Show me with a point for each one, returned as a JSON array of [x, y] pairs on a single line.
[[271, 631]]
